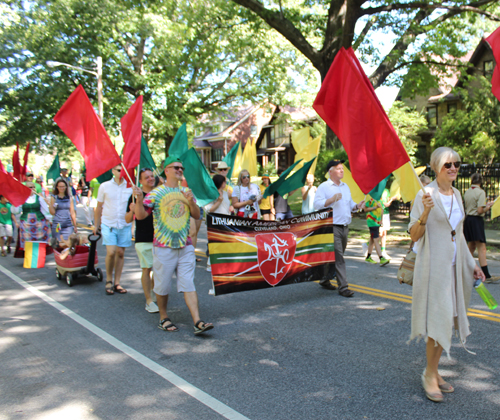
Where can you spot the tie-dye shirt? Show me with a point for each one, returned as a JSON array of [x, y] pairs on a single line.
[[170, 216]]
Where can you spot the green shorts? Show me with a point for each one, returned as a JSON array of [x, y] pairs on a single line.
[[145, 253]]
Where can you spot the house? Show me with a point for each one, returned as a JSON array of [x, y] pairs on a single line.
[[443, 100], [267, 124]]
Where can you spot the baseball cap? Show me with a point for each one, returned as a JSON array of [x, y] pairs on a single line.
[[171, 159], [333, 163]]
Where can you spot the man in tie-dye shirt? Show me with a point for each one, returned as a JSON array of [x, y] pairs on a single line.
[[172, 206]]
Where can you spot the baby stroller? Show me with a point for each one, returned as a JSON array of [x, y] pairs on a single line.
[[81, 264]]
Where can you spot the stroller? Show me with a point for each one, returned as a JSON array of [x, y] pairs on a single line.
[[81, 264]]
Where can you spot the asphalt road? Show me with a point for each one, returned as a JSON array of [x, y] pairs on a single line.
[[293, 352]]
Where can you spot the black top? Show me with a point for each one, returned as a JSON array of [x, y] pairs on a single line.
[[84, 185], [144, 230], [280, 204]]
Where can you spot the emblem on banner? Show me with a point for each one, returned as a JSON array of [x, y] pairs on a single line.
[[275, 254]]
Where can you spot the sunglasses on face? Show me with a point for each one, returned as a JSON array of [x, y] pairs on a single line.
[[245, 176], [118, 170], [447, 165], [177, 168], [223, 169]]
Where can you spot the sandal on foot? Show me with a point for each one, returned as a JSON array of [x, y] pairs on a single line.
[[198, 329], [446, 387], [433, 396], [119, 289], [164, 327], [109, 289]]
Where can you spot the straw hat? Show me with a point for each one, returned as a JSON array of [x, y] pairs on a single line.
[[223, 165]]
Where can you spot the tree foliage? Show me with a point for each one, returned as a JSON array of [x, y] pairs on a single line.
[[474, 131], [186, 57]]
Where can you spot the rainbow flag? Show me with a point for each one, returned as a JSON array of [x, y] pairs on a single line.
[[34, 254], [247, 254]]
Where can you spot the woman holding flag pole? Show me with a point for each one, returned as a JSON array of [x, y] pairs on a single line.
[[444, 269]]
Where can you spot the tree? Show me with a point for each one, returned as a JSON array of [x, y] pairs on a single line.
[[319, 28], [186, 58], [474, 130]]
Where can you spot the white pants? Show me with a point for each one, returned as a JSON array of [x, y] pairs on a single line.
[[88, 212]]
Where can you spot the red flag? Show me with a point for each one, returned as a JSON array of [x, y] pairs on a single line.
[[12, 189], [16, 165], [80, 123], [494, 41], [132, 134], [348, 104], [24, 168]]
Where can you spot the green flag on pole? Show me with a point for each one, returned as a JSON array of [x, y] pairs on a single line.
[[54, 171], [276, 184], [106, 176], [146, 158], [198, 178], [230, 158], [377, 192], [179, 144], [295, 181]]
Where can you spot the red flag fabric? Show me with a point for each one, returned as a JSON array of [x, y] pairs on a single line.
[[16, 165], [24, 168], [494, 41], [12, 189], [348, 104], [131, 124], [80, 123]]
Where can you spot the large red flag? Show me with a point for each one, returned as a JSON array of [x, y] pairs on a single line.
[[24, 168], [12, 189], [132, 134], [494, 41], [16, 165], [80, 123], [348, 104]]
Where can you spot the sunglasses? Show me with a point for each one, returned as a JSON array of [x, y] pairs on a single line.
[[177, 168], [118, 170], [245, 176], [448, 165]]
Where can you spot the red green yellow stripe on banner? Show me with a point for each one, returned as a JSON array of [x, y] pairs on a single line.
[[34, 254], [250, 254]]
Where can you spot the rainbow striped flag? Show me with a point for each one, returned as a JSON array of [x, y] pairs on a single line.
[[247, 254], [34, 254]]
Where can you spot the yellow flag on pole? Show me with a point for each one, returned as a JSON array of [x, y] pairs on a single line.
[[237, 163], [307, 153], [301, 138], [249, 158], [407, 180], [356, 193], [495, 209]]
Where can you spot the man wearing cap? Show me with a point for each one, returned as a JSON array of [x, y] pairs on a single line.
[[172, 206], [112, 200], [29, 178], [336, 194]]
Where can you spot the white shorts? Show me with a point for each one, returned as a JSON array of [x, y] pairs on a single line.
[[166, 261], [5, 230], [386, 222]]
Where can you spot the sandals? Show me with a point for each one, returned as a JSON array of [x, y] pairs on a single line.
[[119, 289], [446, 387], [109, 289], [201, 329], [164, 327], [434, 396]]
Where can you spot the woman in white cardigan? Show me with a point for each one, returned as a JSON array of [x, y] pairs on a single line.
[[444, 268]]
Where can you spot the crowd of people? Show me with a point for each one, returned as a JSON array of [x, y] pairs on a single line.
[[444, 232]]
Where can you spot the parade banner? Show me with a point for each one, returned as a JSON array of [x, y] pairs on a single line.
[[248, 254]]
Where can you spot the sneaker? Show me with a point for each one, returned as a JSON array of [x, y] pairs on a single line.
[[384, 261], [209, 268], [492, 279], [152, 308], [370, 260], [365, 249]]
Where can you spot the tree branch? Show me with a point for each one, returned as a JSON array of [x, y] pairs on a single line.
[[364, 32]]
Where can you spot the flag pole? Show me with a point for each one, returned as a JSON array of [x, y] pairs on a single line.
[[128, 175]]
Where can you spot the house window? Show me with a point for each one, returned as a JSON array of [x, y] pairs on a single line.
[[432, 116], [452, 107], [253, 130], [488, 67], [216, 155]]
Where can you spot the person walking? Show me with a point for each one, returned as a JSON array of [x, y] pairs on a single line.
[[144, 233], [336, 194], [373, 209], [110, 212], [172, 206], [85, 198], [475, 209], [62, 209], [444, 269], [246, 196], [308, 192]]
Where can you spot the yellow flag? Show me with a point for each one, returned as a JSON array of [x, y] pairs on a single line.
[[300, 139], [356, 193], [495, 209], [249, 158], [308, 153], [237, 162], [408, 181]]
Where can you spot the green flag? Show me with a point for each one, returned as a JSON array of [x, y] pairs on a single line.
[[146, 158], [377, 192], [230, 158], [276, 184], [297, 180], [198, 178], [106, 176], [54, 171], [179, 144]]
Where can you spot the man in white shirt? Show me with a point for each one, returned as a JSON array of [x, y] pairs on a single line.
[[336, 194], [112, 200]]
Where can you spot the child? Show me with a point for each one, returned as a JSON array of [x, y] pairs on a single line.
[[6, 221], [373, 209]]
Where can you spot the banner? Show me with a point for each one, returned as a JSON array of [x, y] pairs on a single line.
[[248, 254]]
